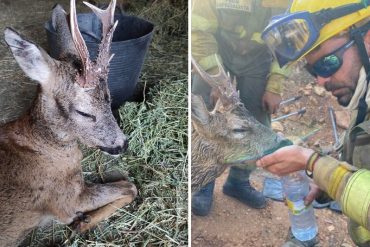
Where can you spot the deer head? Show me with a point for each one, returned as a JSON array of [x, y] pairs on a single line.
[[74, 100], [227, 135]]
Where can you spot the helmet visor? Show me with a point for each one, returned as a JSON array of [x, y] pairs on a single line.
[[290, 37]]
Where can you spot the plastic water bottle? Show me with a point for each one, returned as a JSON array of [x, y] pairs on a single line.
[[302, 218]]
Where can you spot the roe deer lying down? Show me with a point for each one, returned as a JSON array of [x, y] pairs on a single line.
[[228, 135], [40, 171]]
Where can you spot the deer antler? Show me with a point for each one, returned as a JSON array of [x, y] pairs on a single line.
[[79, 44], [107, 18], [221, 82], [92, 71]]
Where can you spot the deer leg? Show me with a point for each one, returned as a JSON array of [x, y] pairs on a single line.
[[113, 176], [88, 220], [93, 197]]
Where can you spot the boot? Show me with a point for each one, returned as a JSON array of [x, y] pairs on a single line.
[[237, 185], [201, 202]]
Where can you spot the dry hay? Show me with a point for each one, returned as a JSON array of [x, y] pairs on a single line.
[[169, 16]]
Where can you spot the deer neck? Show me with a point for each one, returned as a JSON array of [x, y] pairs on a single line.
[[204, 149], [206, 162]]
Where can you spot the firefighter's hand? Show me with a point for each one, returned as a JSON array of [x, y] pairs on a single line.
[[286, 160], [271, 102], [313, 194]]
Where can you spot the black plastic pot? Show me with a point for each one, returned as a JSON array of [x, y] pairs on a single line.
[[130, 44]]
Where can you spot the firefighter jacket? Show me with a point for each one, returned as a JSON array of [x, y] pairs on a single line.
[[229, 31]]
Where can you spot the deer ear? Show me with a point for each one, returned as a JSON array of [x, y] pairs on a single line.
[[64, 38], [32, 60], [199, 111]]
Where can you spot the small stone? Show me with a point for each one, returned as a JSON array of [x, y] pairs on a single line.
[[321, 120], [277, 126], [307, 92], [285, 110], [346, 245], [298, 105], [317, 143], [319, 91], [308, 87], [314, 100], [331, 228], [343, 119]]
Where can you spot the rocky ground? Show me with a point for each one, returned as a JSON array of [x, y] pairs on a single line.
[[233, 224]]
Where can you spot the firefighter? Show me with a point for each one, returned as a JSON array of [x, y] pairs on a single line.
[[333, 39]]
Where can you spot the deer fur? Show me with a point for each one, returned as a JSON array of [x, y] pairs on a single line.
[[40, 161]]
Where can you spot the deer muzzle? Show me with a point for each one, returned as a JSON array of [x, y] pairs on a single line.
[[115, 150]]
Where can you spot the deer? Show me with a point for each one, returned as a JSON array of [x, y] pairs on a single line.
[[40, 160], [228, 135]]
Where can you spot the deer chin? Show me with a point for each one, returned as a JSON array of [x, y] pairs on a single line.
[[243, 160], [246, 159]]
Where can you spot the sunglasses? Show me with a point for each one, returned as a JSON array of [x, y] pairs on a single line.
[[327, 65]]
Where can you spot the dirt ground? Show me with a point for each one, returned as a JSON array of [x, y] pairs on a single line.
[[231, 223]]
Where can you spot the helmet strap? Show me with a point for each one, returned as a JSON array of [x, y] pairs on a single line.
[[357, 34]]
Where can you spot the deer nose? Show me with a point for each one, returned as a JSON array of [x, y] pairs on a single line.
[[122, 148]]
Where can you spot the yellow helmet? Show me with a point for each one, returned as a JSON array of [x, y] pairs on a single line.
[[309, 23], [334, 27]]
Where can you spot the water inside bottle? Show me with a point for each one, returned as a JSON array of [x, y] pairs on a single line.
[[302, 227], [302, 218]]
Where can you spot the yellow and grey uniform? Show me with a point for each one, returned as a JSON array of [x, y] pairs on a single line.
[[231, 30], [350, 184]]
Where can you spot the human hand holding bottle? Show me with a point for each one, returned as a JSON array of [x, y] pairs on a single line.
[[286, 160]]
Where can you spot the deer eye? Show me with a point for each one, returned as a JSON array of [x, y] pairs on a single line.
[[240, 130], [86, 115]]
